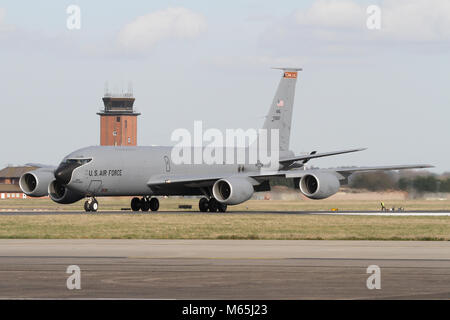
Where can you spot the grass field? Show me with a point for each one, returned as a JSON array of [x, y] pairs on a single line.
[[186, 225], [223, 226]]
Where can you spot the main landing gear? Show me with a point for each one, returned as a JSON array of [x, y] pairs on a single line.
[[91, 205], [144, 204], [211, 205]]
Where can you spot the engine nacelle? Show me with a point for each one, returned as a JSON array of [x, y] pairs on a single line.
[[35, 183], [232, 190], [60, 194], [319, 185]]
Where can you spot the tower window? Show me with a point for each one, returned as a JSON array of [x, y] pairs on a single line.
[[126, 124], [118, 119]]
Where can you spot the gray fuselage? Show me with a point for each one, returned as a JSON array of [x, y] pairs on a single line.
[[126, 171]]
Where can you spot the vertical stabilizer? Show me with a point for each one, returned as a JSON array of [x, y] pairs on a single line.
[[280, 112]]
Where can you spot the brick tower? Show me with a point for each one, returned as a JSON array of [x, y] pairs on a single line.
[[118, 120]]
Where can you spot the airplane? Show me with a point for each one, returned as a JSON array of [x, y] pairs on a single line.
[[146, 172]]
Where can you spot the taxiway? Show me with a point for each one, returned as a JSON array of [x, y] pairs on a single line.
[[224, 269]]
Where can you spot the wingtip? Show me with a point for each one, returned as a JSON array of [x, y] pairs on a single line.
[[421, 166]]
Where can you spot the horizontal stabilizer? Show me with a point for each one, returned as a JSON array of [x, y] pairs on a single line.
[[288, 68], [317, 155]]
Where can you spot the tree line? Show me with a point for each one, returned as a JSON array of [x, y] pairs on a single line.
[[381, 181], [418, 181]]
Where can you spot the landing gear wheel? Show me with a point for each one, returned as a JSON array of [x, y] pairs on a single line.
[[203, 204], [86, 206], [135, 204], [93, 206], [154, 204], [145, 204], [213, 205], [222, 207]]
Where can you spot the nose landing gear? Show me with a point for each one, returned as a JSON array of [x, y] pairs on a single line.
[[91, 205], [144, 204]]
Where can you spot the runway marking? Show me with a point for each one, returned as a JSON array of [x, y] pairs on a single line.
[[65, 257], [385, 214], [143, 299], [287, 258]]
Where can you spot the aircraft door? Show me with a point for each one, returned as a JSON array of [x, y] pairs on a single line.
[[94, 186], [167, 163]]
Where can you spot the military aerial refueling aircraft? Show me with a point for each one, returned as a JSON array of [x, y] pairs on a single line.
[[147, 172]]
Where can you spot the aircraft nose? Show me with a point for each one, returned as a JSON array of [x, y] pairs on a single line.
[[63, 173]]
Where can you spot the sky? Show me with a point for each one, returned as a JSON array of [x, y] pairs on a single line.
[[386, 89]]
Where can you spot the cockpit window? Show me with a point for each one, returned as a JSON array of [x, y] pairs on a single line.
[[78, 161]]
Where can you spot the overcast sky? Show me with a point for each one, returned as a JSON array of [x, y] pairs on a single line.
[[387, 89]]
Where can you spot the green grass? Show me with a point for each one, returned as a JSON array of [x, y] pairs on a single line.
[[223, 226], [186, 225]]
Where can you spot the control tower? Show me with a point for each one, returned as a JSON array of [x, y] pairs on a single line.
[[118, 120]]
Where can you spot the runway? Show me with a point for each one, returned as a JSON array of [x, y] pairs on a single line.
[[427, 213], [224, 269]]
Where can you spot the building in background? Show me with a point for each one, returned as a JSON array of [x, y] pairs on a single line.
[[9, 182], [118, 120]]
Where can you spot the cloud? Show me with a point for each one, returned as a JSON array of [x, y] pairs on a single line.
[[401, 20], [333, 31], [332, 14], [172, 23], [416, 20]]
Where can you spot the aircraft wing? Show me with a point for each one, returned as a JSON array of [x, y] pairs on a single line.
[[198, 180], [350, 170], [185, 179], [40, 165], [257, 177]]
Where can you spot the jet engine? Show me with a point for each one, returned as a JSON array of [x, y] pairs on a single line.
[[35, 183], [232, 190], [319, 185], [60, 194]]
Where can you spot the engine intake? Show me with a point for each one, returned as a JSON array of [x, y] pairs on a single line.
[[60, 194], [319, 185], [35, 183], [232, 190]]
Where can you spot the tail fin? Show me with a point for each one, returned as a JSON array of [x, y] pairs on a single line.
[[280, 112]]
